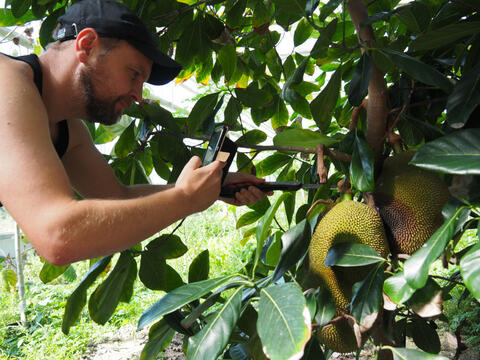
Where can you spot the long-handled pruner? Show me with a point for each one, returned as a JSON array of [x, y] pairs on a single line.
[[229, 190]]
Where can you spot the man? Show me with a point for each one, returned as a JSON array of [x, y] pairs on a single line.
[[94, 71]]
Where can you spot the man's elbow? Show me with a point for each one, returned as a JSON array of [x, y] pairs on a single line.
[[55, 247]]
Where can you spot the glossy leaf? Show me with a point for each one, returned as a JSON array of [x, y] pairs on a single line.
[[20, 7], [326, 308], [294, 245], [470, 269], [464, 98], [78, 298], [271, 164], [351, 254], [446, 35], [361, 166], [50, 272], [302, 138], [228, 59], [201, 111], [200, 267], [180, 297], [105, 298], [417, 266], [160, 336], [169, 246], [397, 288], [456, 153], [413, 354], [425, 336], [252, 137], [419, 70], [427, 301], [209, 342], [323, 105], [368, 300], [283, 308], [358, 88], [263, 228], [302, 32], [248, 218]]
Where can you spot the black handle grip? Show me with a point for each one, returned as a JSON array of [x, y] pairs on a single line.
[[231, 189]]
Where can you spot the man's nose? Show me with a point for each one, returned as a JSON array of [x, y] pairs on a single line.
[[136, 93]]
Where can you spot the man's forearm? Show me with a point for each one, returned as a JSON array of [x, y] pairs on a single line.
[[140, 190]]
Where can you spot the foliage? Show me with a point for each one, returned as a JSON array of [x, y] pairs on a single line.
[[419, 64]]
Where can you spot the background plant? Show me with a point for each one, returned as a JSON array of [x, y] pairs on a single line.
[[378, 76]]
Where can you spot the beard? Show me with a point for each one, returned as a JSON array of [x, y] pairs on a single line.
[[98, 109]]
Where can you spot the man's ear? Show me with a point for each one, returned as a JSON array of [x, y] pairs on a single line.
[[87, 40]]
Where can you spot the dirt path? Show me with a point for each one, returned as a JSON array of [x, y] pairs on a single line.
[[127, 344]]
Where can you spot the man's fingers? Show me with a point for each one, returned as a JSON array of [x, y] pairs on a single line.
[[194, 163]]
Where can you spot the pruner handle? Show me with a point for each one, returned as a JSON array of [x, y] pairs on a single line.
[[230, 190]]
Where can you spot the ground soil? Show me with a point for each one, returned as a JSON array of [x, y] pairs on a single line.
[[127, 344]]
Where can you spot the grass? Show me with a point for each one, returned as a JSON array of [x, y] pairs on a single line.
[[213, 229]]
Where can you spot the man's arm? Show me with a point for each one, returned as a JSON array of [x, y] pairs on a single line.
[[35, 188]]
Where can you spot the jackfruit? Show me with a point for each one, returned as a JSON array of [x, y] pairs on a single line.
[[410, 202], [348, 221]]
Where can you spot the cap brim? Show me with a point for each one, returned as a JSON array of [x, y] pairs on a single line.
[[164, 69]]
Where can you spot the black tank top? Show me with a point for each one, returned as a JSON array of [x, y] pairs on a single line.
[[61, 144]]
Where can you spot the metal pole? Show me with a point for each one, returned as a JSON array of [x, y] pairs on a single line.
[[21, 281]]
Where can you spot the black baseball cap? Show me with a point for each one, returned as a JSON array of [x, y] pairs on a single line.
[[114, 20]]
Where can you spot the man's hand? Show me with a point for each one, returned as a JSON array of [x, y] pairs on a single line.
[[201, 185], [251, 195]]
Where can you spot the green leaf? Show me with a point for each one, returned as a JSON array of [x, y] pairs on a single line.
[[294, 246], [288, 93], [201, 111], [234, 11], [180, 297], [417, 16], [209, 342], [444, 36], [274, 250], [271, 164], [283, 308], [264, 226], [253, 97], [456, 153], [358, 88], [232, 111], [470, 269], [227, 57], [105, 298], [302, 138], [248, 218], [169, 246], [361, 166], [20, 7], [8, 19], [320, 48], [397, 289], [425, 336], [78, 298], [326, 308], [323, 105], [8, 279], [419, 70], [412, 354], [160, 336], [417, 266], [302, 32], [252, 137], [200, 267], [50, 272], [368, 299], [351, 254], [127, 141]]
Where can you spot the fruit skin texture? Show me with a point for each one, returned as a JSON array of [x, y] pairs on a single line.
[[410, 202], [348, 221]]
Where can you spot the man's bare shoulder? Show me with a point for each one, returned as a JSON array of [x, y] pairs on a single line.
[[15, 68]]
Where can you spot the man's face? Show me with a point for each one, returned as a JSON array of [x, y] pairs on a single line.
[[99, 109], [112, 83]]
